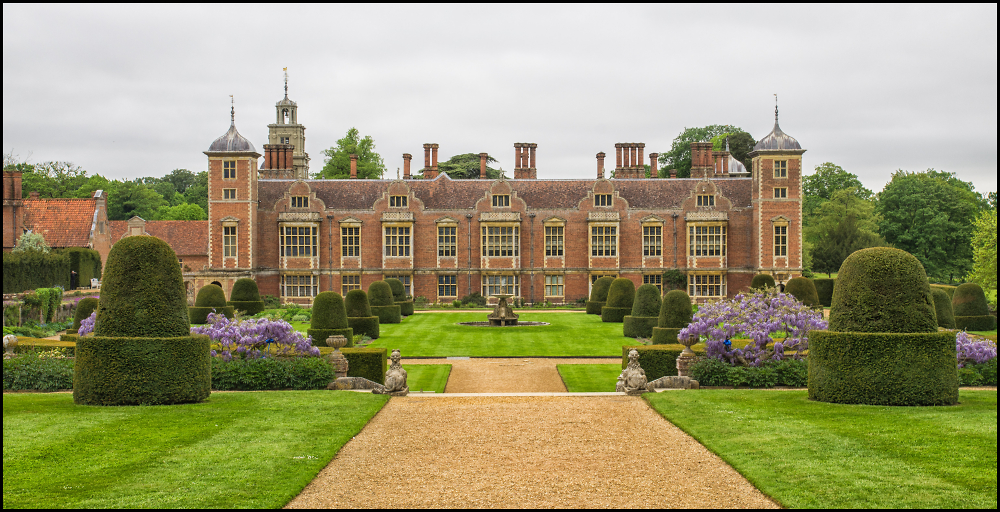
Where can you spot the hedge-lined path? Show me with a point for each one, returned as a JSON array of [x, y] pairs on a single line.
[[507, 375], [521, 452]]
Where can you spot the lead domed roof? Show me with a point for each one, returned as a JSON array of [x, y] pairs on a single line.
[[232, 141]]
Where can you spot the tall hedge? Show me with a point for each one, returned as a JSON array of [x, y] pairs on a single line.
[[381, 300], [142, 351], [210, 297], [942, 308], [83, 310], [85, 262], [675, 314], [599, 295], [645, 313], [399, 296], [621, 297], [761, 281], [246, 297], [329, 318], [30, 270], [804, 291], [359, 314], [972, 312], [824, 289]]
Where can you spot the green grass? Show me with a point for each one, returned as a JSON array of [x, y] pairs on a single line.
[[242, 450], [427, 377], [589, 378], [815, 455]]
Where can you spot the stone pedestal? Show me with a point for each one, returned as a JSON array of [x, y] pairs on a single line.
[[337, 359], [684, 363]]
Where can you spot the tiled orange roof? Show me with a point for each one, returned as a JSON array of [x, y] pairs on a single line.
[[185, 237], [63, 222]]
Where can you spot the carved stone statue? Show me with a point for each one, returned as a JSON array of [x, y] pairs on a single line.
[[502, 315], [633, 378], [395, 378], [9, 344]]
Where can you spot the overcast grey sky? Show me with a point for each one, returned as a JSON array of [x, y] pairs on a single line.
[[128, 91]]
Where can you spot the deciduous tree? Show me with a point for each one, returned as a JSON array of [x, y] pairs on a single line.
[[984, 251], [679, 156], [840, 226], [338, 161], [466, 167]]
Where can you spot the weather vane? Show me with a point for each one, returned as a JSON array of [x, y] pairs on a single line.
[[775, 107], [286, 81], [232, 109]]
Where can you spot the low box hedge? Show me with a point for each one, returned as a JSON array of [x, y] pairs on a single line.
[[976, 323], [28, 372], [665, 335], [405, 307], [370, 363], [594, 308], [364, 325], [199, 315], [615, 315], [639, 326], [25, 345], [657, 360], [246, 307], [319, 336], [883, 368], [271, 374], [387, 314], [142, 371]]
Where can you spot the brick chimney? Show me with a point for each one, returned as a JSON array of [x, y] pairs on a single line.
[[524, 161], [354, 167], [629, 160], [639, 169], [427, 157], [406, 165], [430, 161], [618, 158], [653, 172], [33, 194], [482, 165], [434, 157], [600, 165], [278, 163], [701, 159]]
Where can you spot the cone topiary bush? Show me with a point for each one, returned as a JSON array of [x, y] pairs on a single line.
[[804, 291], [761, 281], [399, 297], [942, 308], [824, 289], [359, 314], [210, 298], [329, 318], [83, 309], [675, 314], [883, 346], [972, 312], [381, 300], [645, 313], [599, 295], [621, 297], [246, 297], [142, 351]]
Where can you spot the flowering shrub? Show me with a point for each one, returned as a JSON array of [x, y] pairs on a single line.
[[255, 338], [973, 349], [758, 315], [87, 324]]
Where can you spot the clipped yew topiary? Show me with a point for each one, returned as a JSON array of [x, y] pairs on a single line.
[[359, 314], [761, 281], [399, 296], [824, 289], [645, 313], [246, 297], [329, 318], [675, 314], [380, 299], [804, 291], [83, 309], [142, 351], [883, 346], [621, 297], [599, 295], [972, 312], [210, 298], [950, 290], [942, 308]]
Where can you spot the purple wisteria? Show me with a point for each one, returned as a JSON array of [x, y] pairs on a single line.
[[757, 315], [87, 325], [973, 349], [255, 338]]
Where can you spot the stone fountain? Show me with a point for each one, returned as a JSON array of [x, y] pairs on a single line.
[[502, 315]]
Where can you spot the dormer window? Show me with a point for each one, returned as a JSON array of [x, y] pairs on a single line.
[[397, 201], [229, 169], [706, 200], [602, 199], [300, 202], [501, 201]]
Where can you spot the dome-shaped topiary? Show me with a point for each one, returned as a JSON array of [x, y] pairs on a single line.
[[380, 298], [210, 296], [971, 310], [398, 290], [142, 293], [882, 290], [621, 297], [329, 318], [803, 290], [599, 295], [245, 290], [761, 281], [675, 314], [647, 301], [942, 308], [83, 310]]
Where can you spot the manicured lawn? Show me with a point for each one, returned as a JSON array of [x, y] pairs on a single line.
[[589, 378], [240, 450], [815, 455], [427, 377]]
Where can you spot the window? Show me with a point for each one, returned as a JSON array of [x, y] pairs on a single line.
[[500, 240], [781, 168], [447, 286], [652, 240], [397, 201], [707, 240], [397, 241], [553, 240], [284, 140], [707, 285], [781, 240], [297, 241], [350, 241], [603, 240], [406, 282], [299, 286], [501, 201], [554, 286], [654, 279], [349, 282], [300, 202], [229, 241], [500, 285], [229, 193], [447, 245], [780, 192], [229, 169], [602, 199], [595, 277], [704, 200]]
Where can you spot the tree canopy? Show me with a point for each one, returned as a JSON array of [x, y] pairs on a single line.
[[338, 160], [679, 156], [819, 187], [840, 226], [984, 250], [741, 145], [466, 167]]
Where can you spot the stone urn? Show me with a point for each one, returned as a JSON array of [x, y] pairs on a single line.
[[9, 343], [337, 359], [689, 342]]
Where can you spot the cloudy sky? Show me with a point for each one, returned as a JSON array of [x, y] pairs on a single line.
[[129, 91]]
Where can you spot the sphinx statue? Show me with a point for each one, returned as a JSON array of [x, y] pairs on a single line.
[[395, 378], [633, 378]]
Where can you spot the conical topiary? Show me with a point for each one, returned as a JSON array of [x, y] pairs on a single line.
[[399, 296], [621, 297], [381, 300], [142, 351], [210, 298], [761, 281], [824, 290], [83, 310], [972, 312], [359, 314], [329, 318], [599, 295], [645, 313], [246, 297], [675, 314], [883, 346], [804, 291], [942, 308]]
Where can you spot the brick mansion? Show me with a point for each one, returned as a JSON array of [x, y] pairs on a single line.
[[529, 237]]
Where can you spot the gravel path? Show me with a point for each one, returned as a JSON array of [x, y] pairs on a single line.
[[538, 452], [483, 375]]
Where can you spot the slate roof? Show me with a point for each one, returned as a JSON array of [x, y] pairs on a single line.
[[185, 237], [63, 222]]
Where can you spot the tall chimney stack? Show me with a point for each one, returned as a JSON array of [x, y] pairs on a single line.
[[406, 165], [482, 165], [434, 158], [640, 170], [354, 167], [653, 172], [600, 165], [531, 163], [427, 157], [618, 158]]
